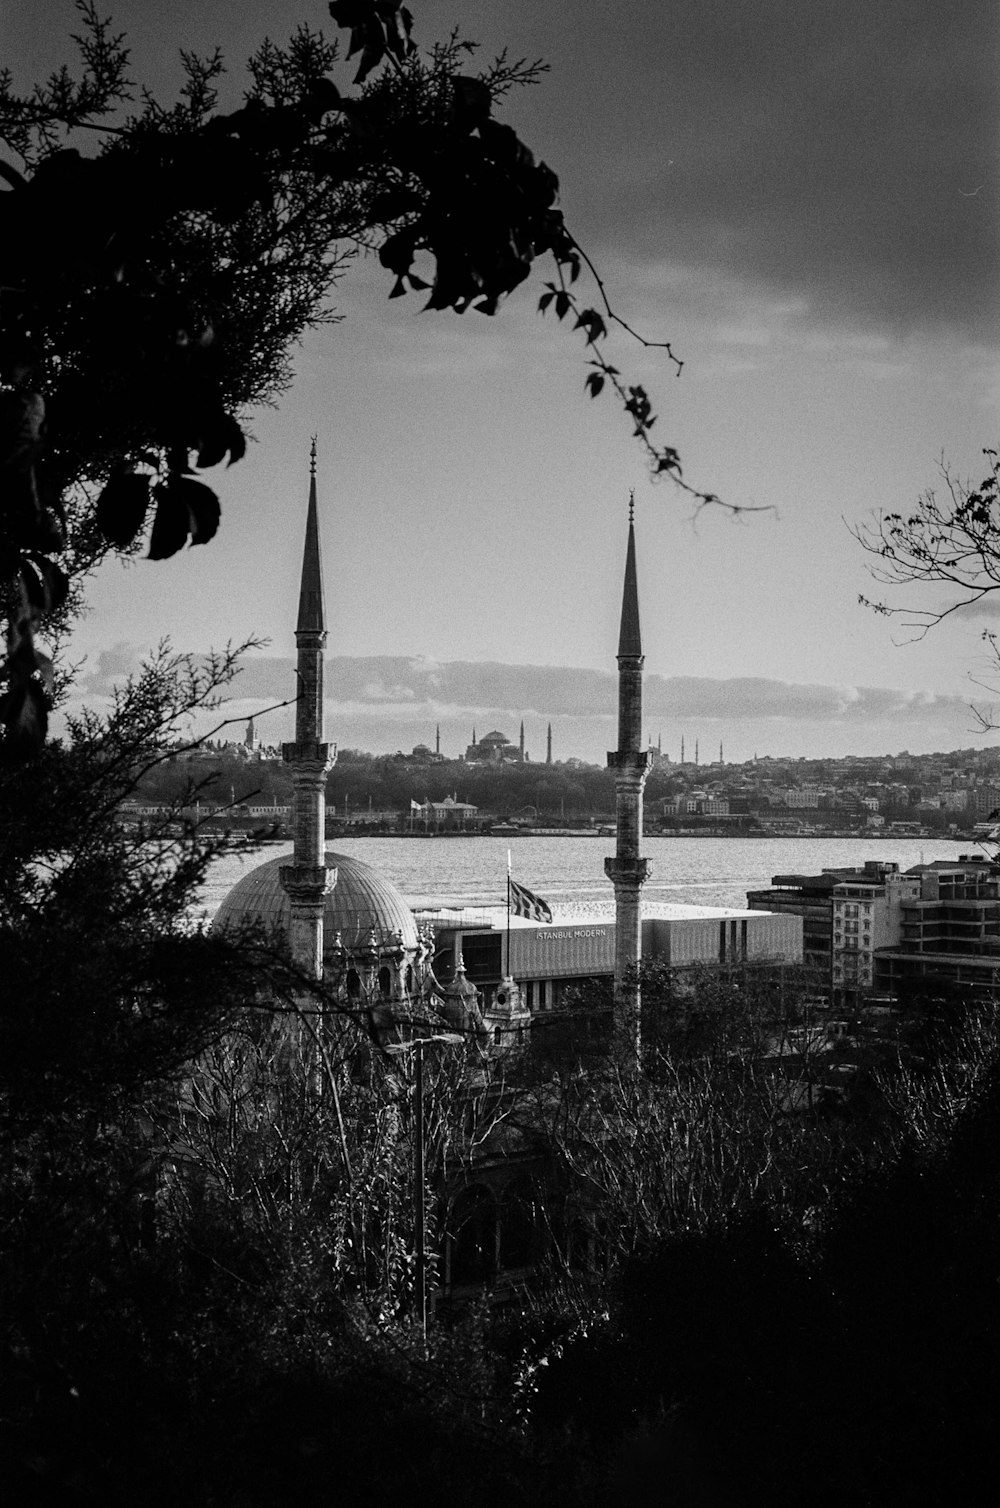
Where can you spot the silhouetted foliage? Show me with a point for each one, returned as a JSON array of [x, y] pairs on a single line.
[[203, 245]]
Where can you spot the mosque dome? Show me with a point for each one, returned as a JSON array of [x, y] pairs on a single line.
[[360, 900]]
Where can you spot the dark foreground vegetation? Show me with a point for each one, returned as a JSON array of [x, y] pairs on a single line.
[[734, 1292]]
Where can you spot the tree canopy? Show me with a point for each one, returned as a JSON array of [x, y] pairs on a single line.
[[204, 243]]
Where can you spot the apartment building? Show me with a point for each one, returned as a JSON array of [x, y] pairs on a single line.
[[949, 931]]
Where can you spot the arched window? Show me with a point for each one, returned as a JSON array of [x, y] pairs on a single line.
[[409, 979], [353, 984], [384, 982]]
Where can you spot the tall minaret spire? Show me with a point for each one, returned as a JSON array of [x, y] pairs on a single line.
[[548, 746], [307, 879], [521, 745], [627, 871]]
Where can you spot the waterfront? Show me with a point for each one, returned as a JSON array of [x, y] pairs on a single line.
[[569, 872]]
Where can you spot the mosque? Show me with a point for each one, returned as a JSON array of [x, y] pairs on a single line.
[[347, 925]]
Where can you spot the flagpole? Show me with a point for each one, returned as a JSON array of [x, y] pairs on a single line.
[[507, 969]]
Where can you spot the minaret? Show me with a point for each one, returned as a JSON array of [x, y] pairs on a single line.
[[307, 879], [251, 735], [627, 871], [696, 751], [437, 739], [548, 746], [522, 740], [720, 751], [682, 748]]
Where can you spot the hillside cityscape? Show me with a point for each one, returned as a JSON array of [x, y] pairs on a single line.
[[246, 786]]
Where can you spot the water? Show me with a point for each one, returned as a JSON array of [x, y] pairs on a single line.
[[569, 872]]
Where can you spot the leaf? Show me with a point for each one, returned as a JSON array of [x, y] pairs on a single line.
[[222, 437], [322, 97], [25, 715], [122, 506], [171, 524], [185, 508], [396, 253], [204, 510], [22, 416], [591, 321], [45, 584], [594, 383]]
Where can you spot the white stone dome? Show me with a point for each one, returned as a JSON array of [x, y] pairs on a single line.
[[362, 899]]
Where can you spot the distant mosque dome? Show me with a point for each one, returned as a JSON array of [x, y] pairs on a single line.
[[361, 900]]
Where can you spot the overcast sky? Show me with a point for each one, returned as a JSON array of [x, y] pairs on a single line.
[[803, 198]]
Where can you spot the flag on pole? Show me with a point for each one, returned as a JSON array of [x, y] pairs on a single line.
[[524, 902]]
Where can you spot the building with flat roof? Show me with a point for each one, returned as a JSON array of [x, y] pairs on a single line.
[[847, 914], [549, 960], [950, 929]]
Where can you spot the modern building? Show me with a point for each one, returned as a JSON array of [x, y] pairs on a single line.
[[867, 914], [551, 961], [950, 930], [846, 915]]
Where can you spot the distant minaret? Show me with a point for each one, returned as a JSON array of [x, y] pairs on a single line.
[[548, 746], [720, 751], [307, 879], [696, 751], [522, 740], [627, 871], [682, 748], [251, 736], [437, 739], [473, 738]]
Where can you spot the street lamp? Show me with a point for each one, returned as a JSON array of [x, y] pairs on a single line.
[[419, 1210]]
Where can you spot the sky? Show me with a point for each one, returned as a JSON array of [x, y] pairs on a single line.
[[803, 200]]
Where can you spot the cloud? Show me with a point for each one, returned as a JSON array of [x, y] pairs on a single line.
[[384, 703], [395, 685], [846, 152], [100, 677]]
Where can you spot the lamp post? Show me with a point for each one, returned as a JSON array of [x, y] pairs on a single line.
[[419, 1191]]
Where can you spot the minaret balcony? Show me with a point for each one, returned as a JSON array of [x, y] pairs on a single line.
[[638, 761], [307, 883], [626, 871], [320, 756]]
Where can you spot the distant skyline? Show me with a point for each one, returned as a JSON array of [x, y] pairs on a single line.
[[387, 703], [803, 198]]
